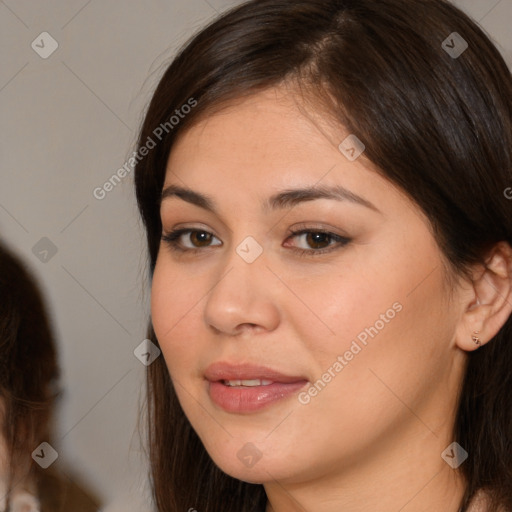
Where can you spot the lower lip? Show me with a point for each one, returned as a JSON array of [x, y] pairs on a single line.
[[249, 399]]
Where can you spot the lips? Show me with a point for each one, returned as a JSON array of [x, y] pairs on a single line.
[[227, 371], [245, 388]]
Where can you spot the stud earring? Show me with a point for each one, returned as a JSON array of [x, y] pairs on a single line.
[[475, 338]]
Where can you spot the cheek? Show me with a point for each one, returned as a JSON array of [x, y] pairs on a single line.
[[385, 302], [359, 299], [175, 315], [392, 328]]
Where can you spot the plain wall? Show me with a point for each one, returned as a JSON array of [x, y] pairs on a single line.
[[69, 122]]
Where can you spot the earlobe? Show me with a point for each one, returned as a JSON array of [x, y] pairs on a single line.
[[491, 303]]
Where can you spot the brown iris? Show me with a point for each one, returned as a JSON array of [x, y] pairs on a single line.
[[202, 237]]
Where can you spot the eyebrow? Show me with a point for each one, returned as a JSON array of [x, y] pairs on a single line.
[[285, 199]]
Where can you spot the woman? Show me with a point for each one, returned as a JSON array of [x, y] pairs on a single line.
[[323, 187], [29, 389], [28, 377]]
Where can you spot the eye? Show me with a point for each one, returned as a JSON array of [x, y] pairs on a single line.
[[320, 241], [195, 236]]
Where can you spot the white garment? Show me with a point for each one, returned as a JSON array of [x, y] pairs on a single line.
[[21, 500]]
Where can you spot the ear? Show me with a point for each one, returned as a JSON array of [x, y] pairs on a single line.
[[488, 301]]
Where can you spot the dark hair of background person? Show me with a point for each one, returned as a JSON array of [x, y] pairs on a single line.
[[28, 369], [440, 128]]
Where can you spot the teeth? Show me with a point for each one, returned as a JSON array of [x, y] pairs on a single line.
[[248, 383]]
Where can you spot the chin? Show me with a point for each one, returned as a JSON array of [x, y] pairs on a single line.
[[247, 461], [260, 473]]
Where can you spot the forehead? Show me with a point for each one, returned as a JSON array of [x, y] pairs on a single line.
[[266, 120], [265, 144], [266, 136]]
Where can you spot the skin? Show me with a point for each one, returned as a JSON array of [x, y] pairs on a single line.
[[388, 415]]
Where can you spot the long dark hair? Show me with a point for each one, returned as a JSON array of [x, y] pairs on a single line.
[[436, 124], [28, 369]]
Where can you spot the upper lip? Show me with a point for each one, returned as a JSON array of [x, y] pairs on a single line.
[[245, 371]]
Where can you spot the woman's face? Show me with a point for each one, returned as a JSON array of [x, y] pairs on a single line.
[[351, 320]]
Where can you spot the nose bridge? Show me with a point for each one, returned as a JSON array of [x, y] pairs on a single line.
[[241, 293], [248, 260], [249, 249]]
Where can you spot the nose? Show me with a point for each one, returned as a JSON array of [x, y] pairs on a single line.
[[242, 298]]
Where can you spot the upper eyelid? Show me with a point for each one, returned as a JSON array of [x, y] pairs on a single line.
[[300, 226], [291, 232]]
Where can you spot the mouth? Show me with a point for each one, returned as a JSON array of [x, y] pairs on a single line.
[[248, 388]]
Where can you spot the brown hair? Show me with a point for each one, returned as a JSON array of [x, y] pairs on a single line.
[[437, 126], [28, 368]]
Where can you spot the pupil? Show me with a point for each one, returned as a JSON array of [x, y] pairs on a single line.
[[201, 236], [317, 238]]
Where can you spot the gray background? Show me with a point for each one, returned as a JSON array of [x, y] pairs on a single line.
[[68, 123]]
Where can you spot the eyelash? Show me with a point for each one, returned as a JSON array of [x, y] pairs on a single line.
[[172, 240]]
